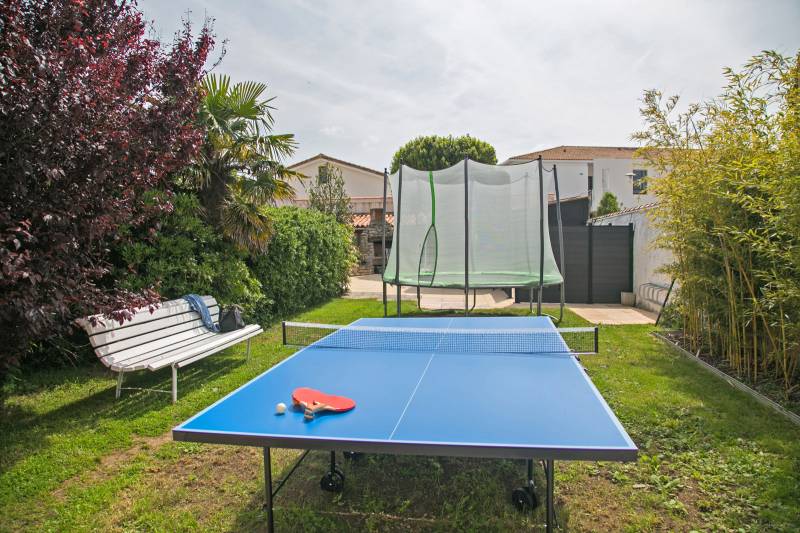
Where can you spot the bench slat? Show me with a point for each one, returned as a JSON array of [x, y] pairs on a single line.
[[221, 341], [117, 335], [187, 362], [196, 345], [127, 359], [148, 337], [171, 307]]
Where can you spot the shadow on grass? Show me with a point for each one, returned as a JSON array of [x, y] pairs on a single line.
[[26, 432], [401, 493]]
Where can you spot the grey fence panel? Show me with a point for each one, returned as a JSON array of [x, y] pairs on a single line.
[[611, 263], [598, 264]]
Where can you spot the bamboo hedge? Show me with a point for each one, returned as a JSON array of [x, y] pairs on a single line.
[[729, 210]]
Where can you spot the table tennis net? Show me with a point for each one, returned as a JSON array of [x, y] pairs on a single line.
[[522, 341]]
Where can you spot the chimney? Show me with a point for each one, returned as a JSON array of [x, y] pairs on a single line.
[[375, 216]]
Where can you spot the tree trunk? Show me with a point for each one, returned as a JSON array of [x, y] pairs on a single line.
[[213, 196]]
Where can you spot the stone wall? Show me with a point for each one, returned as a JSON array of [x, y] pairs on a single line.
[[368, 242]]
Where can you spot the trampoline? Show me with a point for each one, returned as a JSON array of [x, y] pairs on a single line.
[[472, 226]]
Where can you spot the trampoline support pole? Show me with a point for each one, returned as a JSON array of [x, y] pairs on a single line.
[[383, 241], [542, 207], [396, 245], [560, 245], [466, 236]]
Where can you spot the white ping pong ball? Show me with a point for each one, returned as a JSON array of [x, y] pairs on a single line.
[[280, 408]]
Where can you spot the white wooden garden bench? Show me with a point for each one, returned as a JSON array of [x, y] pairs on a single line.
[[172, 336]]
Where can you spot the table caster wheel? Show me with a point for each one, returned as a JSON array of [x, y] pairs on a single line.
[[524, 499], [332, 481]]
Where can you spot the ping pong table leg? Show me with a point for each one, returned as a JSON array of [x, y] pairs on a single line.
[[531, 483], [549, 498], [268, 491]]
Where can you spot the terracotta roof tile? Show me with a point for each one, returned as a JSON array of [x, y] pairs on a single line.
[[364, 220], [580, 153], [334, 160]]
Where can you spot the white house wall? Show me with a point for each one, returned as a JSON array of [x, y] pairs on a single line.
[[610, 175], [573, 177], [357, 182]]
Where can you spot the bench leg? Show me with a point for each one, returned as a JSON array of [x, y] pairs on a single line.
[[174, 383], [248, 350], [119, 383]]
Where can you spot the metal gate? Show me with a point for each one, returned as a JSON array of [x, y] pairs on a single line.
[[599, 264]]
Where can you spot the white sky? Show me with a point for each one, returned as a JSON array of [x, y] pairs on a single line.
[[357, 79]]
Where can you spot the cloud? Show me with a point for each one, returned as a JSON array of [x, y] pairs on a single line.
[[370, 141], [356, 80], [331, 131]]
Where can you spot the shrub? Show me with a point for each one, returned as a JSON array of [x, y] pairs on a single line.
[[307, 262], [434, 152], [608, 204], [92, 115], [187, 255]]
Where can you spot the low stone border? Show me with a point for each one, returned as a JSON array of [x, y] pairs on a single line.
[[760, 398]]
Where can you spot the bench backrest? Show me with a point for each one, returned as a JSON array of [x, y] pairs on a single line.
[[148, 335]]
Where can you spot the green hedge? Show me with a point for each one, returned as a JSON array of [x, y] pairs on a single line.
[[306, 263], [187, 256]]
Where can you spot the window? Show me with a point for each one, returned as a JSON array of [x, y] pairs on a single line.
[[639, 182], [322, 174], [590, 174]]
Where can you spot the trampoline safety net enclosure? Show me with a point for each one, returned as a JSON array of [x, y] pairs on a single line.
[[499, 211]]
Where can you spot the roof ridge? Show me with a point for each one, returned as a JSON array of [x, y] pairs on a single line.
[[574, 152], [625, 211], [335, 160]]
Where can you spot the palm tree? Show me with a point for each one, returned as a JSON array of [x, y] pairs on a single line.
[[239, 169]]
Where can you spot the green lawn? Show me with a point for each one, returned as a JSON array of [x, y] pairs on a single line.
[[73, 458]]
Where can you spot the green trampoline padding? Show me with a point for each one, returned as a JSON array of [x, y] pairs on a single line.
[[486, 280]]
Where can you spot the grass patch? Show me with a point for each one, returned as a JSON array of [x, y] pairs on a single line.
[[75, 459]]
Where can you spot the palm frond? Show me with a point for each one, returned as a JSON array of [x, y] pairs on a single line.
[[245, 223], [241, 152]]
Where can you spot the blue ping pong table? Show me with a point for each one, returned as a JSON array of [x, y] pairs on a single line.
[[504, 387]]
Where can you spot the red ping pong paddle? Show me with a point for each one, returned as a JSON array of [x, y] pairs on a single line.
[[313, 401]]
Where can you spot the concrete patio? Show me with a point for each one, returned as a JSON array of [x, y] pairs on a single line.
[[370, 286]]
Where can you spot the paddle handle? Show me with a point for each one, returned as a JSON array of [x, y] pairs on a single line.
[[315, 408]]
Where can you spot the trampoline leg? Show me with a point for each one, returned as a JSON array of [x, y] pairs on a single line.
[[419, 298], [531, 482], [539, 301], [268, 491], [398, 299], [550, 510]]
